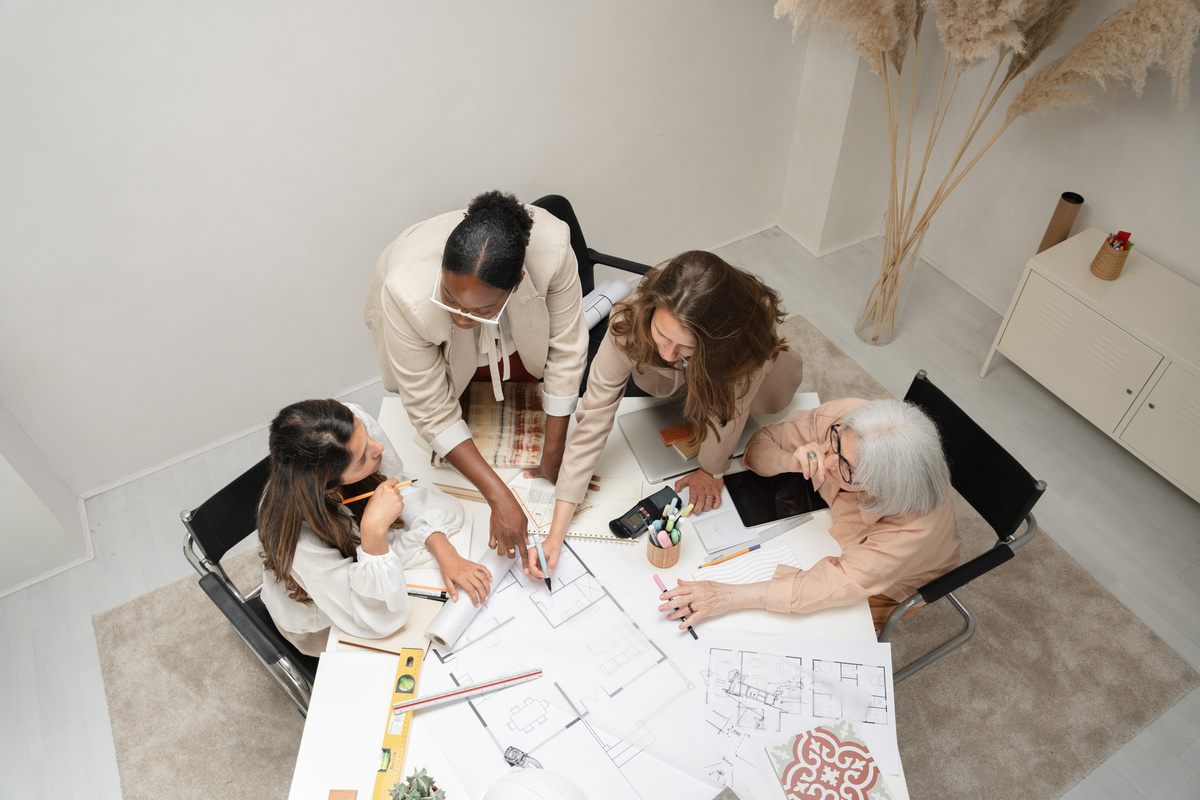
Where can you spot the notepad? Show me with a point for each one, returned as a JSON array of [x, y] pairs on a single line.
[[614, 497], [509, 433], [412, 635]]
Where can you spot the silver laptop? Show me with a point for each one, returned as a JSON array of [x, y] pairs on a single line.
[[658, 461]]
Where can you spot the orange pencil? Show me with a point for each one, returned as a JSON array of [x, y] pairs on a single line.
[[368, 494]]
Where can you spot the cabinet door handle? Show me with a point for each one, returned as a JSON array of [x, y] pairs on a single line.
[[1152, 405]]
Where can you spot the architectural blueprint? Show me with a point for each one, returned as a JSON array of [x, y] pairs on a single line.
[[606, 693], [628, 706]]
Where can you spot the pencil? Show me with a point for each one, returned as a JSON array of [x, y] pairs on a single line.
[[368, 494], [749, 549]]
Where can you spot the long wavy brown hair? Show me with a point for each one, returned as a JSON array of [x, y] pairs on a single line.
[[732, 314], [309, 455]]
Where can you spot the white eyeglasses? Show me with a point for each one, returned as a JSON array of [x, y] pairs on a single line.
[[435, 299]]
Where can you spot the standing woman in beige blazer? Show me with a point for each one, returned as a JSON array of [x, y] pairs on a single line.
[[695, 327], [491, 294]]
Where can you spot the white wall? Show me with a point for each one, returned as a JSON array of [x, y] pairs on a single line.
[[1135, 161], [196, 192], [43, 529]]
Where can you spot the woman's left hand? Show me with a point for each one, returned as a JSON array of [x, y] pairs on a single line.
[[703, 489], [692, 601], [474, 579]]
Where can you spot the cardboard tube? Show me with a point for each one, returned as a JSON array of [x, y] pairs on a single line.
[[1063, 218]]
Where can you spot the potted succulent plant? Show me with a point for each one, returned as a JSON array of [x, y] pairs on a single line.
[[417, 786]]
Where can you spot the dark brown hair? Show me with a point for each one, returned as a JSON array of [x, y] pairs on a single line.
[[733, 316], [309, 455]]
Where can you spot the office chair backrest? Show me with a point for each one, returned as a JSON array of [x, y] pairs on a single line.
[[991, 480], [560, 207], [230, 515]]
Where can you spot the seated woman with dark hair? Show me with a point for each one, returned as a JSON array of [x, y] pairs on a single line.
[[696, 328], [328, 562], [492, 295], [880, 467]]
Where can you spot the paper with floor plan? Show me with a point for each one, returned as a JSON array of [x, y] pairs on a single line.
[[621, 682]]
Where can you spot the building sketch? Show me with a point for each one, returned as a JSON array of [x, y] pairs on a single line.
[[618, 680], [871, 679]]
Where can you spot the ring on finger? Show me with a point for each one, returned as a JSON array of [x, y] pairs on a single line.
[[691, 609], [811, 455]]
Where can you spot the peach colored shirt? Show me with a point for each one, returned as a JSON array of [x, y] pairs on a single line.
[[892, 556]]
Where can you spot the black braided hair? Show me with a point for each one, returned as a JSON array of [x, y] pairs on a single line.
[[489, 244]]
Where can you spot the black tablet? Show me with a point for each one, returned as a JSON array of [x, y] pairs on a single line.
[[761, 500]]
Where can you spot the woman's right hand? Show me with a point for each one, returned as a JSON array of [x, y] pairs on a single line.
[[811, 467], [508, 527], [383, 508]]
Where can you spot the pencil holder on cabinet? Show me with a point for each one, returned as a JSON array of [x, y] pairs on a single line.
[[1108, 262]]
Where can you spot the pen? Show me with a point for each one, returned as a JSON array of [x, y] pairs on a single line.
[[749, 549], [430, 592], [463, 692], [537, 542], [691, 630], [368, 494], [688, 510]]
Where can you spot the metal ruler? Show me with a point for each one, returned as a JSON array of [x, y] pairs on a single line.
[[770, 533], [461, 493]]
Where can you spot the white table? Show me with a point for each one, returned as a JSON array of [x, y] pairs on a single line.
[[350, 697]]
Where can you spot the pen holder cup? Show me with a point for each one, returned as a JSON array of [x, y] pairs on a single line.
[[1108, 262], [663, 557]]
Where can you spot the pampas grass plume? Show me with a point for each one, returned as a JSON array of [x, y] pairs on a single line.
[[870, 25], [1142, 35]]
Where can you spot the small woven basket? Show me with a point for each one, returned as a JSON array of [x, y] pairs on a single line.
[[660, 557], [1108, 262]]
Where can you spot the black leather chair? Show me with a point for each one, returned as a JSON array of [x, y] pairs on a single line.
[[588, 258], [995, 484], [219, 523]]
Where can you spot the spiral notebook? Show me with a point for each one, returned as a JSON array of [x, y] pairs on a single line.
[[614, 497]]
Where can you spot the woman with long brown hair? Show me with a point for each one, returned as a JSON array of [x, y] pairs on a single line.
[[695, 327], [325, 561]]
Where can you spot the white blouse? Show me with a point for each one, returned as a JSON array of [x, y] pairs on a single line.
[[364, 596]]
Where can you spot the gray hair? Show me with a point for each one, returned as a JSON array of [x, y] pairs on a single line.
[[899, 460]]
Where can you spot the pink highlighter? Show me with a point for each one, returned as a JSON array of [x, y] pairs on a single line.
[[664, 541]]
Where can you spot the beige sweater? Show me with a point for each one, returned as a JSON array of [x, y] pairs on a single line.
[[772, 389]]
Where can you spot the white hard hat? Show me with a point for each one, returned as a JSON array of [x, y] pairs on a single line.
[[533, 784]]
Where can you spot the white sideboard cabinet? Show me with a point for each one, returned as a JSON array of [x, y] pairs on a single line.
[[1125, 354]]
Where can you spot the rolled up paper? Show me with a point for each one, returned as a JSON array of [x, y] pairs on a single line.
[[455, 616], [600, 300], [1062, 220]]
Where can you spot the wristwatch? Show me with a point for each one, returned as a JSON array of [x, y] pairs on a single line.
[[716, 476]]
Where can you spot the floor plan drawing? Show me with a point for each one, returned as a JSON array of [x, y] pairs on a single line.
[[604, 694], [871, 679]]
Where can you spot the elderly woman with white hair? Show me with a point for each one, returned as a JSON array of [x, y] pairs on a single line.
[[880, 467]]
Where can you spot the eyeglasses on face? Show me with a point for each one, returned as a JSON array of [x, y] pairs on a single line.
[[835, 441], [436, 299]]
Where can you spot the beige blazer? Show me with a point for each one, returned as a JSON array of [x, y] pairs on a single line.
[[772, 388], [428, 360]]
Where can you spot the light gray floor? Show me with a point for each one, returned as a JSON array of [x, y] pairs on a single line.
[[1130, 528]]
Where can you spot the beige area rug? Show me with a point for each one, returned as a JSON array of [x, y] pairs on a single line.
[[1058, 676], [194, 716]]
